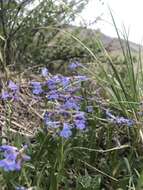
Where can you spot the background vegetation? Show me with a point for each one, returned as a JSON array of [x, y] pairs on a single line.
[[51, 77]]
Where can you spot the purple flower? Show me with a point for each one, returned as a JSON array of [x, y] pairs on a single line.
[[53, 95], [7, 148], [57, 80], [73, 90], [119, 120], [20, 188], [5, 95], [124, 121], [81, 78], [46, 117], [53, 124], [71, 103], [80, 124], [64, 97], [66, 131], [49, 122], [80, 121], [15, 89], [13, 158], [44, 72], [74, 65], [36, 88], [89, 109], [80, 115], [13, 86], [65, 81], [64, 113], [51, 84]]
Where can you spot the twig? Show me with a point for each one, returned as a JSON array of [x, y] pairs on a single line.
[[103, 151], [92, 167]]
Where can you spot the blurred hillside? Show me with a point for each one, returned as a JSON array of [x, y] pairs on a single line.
[[110, 44]]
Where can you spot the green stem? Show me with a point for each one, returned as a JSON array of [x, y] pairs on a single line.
[[61, 161]]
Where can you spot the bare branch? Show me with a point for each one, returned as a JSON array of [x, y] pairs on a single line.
[[19, 7]]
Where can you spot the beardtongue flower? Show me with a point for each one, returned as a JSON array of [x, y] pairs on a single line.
[[46, 117], [51, 84], [89, 109], [53, 124], [53, 95], [49, 122], [66, 131], [80, 120], [13, 158], [124, 121], [36, 88], [73, 90], [11, 92], [13, 86], [80, 124], [74, 65], [71, 103], [44, 72], [58, 80], [119, 120], [81, 78], [65, 81], [5, 95]]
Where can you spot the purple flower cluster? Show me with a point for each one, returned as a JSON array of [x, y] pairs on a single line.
[[66, 113], [13, 158], [64, 91], [119, 120], [11, 92], [53, 84], [63, 121]]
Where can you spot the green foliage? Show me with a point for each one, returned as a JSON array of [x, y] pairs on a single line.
[[20, 23], [63, 48], [89, 183]]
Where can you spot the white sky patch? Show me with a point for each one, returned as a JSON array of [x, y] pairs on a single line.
[[126, 12]]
